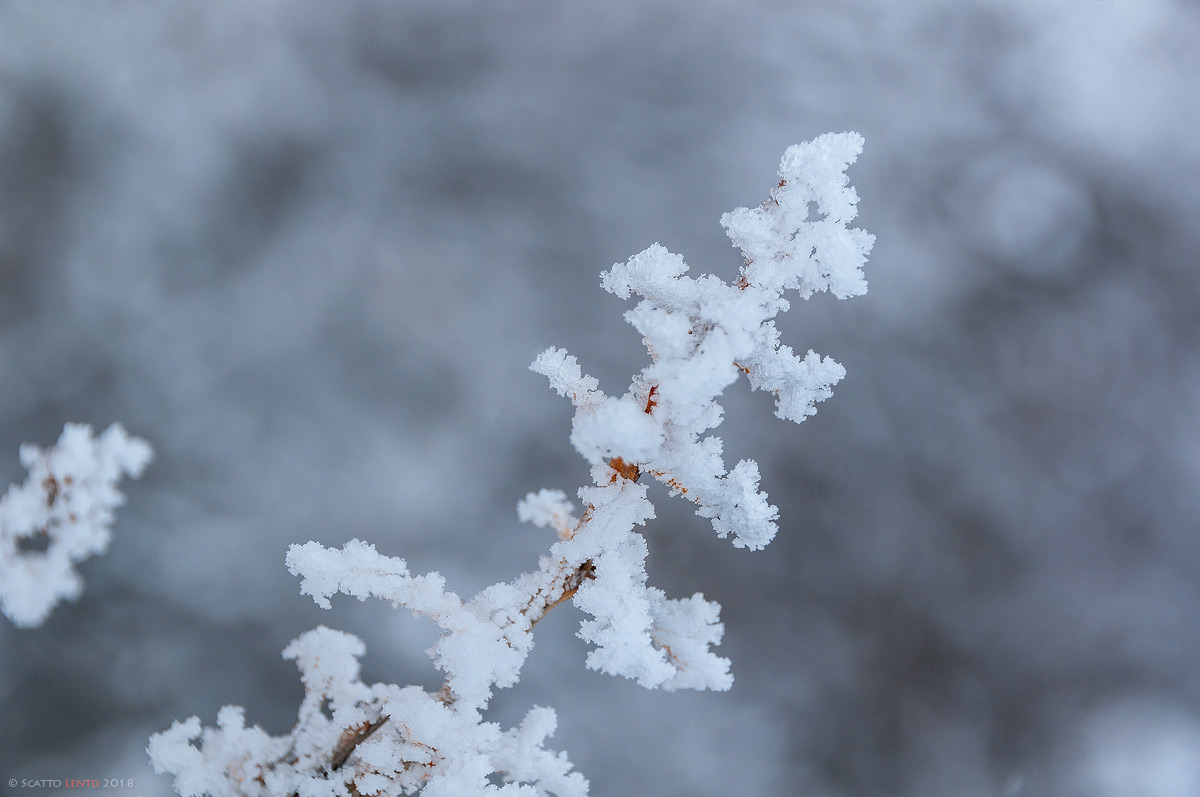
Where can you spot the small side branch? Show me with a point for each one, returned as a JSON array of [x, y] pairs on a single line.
[[573, 582], [351, 738]]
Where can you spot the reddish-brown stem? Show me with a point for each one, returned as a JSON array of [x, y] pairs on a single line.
[[571, 585], [352, 738]]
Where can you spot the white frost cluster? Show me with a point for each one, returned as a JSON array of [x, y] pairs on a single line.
[[548, 508], [353, 739], [61, 515], [702, 332]]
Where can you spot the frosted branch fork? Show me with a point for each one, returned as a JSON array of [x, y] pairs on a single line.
[[702, 333]]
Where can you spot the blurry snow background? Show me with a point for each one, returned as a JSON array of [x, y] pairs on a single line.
[[309, 249]]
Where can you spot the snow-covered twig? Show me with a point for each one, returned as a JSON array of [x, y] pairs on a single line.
[[61, 515], [702, 333]]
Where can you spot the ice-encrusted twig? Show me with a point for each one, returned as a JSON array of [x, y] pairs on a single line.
[[60, 515], [352, 739]]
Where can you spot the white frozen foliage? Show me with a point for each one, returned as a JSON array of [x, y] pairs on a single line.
[[357, 739], [61, 515]]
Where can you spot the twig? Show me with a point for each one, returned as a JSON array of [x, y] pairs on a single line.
[[353, 737]]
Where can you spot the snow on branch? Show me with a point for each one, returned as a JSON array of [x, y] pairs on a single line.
[[702, 333], [549, 508], [343, 743], [61, 515], [485, 642], [799, 239], [562, 370]]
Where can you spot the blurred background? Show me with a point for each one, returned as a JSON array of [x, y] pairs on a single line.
[[309, 249]]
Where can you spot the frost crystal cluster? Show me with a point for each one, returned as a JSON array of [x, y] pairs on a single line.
[[60, 515], [357, 739]]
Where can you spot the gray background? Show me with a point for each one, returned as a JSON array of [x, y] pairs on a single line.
[[309, 249]]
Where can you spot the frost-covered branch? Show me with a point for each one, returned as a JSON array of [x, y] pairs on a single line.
[[703, 332], [61, 515], [354, 739]]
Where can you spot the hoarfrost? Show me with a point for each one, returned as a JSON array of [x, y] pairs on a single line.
[[701, 333], [67, 506]]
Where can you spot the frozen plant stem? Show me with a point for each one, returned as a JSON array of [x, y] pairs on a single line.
[[570, 584], [702, 333]]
